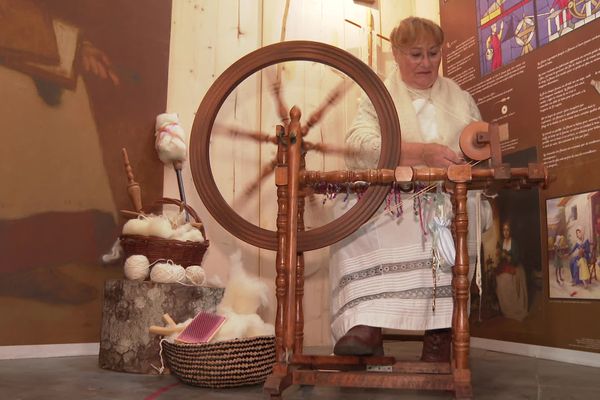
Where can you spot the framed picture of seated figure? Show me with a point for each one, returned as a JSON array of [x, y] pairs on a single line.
[[573, 223], [512, 284]]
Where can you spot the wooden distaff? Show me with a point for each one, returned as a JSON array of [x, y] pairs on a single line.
[[133, 188]]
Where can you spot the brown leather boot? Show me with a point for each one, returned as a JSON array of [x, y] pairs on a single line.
[[436, 345], [361, 340]]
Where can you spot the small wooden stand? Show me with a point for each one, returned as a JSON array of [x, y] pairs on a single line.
[[294, 367], [130, 307]]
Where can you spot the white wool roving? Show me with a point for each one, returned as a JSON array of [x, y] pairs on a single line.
[[234, 327], [170, 139], [258, 327], [137, 226], [116, 252], [180, 230], [167, 273], [159, 226], [243, 294], [193, 235], [195, 275], [187, 232], [137, 267], [239, 326]]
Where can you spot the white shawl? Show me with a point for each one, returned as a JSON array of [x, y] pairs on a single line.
[[454, 108]]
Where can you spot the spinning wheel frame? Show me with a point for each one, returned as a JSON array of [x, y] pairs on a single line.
[[230, 79]]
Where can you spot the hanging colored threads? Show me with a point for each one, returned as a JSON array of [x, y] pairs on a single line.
[[434, 269], [347, 193], [388, 201], [398, 200]]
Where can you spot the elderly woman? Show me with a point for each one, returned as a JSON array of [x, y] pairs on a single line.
[[381, 276]]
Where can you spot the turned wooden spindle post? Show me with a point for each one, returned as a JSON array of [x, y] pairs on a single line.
[[133, 188], [280, 286], [294, 143], [299, 340], [461, 281]]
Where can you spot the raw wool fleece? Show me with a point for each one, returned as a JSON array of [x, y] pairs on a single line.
[[170, 140], [243, 296]]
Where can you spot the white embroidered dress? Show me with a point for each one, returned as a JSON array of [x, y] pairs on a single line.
[[381, 275]]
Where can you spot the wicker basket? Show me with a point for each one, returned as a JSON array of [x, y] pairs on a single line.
[[230, 363], [155, 248]]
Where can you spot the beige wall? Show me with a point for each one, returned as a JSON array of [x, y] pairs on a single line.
[[208, 36]]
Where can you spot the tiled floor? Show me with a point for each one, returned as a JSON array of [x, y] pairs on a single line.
[[495, 376]]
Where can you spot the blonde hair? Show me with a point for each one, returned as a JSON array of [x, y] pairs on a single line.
[[414, 29]]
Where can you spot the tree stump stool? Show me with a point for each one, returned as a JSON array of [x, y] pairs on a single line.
[[130, 307]]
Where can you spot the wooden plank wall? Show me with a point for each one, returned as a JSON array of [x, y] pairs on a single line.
[[208, 36]]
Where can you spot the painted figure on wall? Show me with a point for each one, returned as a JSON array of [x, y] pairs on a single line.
[[580, 258], [564, 13], [74, 93], [524, 34], [511, 282], [573, 224], [494, 45], [558, 248]]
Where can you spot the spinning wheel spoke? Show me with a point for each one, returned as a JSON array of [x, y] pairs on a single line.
[[264, 173], [329, 102], [282, 108], [329, 149], [256, 136]]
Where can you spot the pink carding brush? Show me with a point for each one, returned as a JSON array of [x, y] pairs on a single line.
[[202, 328]]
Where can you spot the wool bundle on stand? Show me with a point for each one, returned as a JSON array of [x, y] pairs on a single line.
[[171, 146]]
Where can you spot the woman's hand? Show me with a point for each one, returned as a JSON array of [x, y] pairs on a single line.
[[429, 154], [438, 155]]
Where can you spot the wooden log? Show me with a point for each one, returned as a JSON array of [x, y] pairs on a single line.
[[130, 307]]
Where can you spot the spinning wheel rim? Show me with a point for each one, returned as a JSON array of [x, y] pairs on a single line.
[[216, 95]]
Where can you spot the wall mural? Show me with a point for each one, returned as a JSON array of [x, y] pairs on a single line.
[[540, 269], [79, 82]]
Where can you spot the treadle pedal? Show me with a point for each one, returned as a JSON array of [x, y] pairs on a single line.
[[379, 368]]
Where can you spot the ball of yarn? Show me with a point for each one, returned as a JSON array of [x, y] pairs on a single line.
[[136, 226], [167, 273], [195, 275], [137, 267], [159, 226]]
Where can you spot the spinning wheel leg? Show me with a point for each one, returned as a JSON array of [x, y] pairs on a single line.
[[463, 391], [460, 285], [275, 385], [460, 282]]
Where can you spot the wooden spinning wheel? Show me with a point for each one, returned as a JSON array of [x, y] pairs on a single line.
[[233, 76], [290, 240]]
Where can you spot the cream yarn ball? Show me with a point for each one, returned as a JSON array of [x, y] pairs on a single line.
[[137, 226], [137, 267], [195, 275], [167, 273]]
